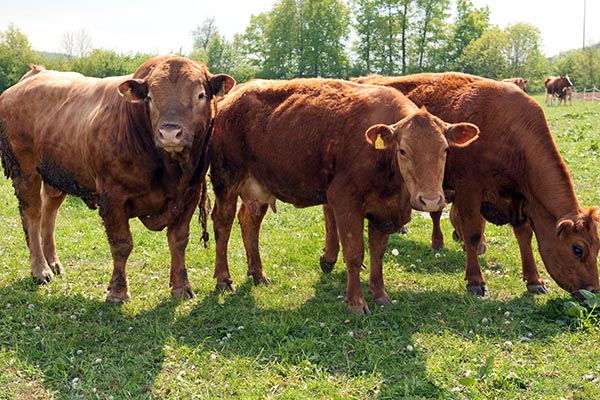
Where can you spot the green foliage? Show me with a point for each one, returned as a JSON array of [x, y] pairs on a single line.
[[15, 56]]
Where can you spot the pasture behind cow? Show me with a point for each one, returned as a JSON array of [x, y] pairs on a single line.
[[132, 146], [513, 174], [365, 151]]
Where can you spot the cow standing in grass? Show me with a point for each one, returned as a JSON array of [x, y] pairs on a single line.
[[366, 151], [520, 82], [133, 146], [555, 86], [513, 174]]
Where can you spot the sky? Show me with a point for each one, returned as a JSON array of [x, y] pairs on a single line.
[[162, 27]]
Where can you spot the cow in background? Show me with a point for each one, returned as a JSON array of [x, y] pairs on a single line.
[[567, 92], [520, 82], [554, 87], [131, 146]]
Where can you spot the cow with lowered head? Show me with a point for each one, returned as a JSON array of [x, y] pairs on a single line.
[[365, 151], [132, 146]]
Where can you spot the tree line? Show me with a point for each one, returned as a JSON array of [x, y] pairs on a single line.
[[340, 39]]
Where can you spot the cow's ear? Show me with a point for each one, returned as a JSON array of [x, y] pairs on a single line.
[[461, 134], [564, 226], [134, 90], [221, 84], [380, 136]]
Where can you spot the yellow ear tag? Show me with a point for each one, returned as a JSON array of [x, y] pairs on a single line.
[[379, 144], [128, 95]]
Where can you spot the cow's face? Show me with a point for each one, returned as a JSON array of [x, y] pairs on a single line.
[[421, 142], [570, 253], [177, 94]]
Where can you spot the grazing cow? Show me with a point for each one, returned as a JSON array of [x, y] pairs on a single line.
[[554, 87], [512, 174], [520, 82], [133, 146], [567, 93], [364, 150]]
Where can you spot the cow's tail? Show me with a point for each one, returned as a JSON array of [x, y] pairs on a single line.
[[10, 165], [204, 210]]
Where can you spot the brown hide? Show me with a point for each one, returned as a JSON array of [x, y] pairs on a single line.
[[366, 151], [134, 146], [512, 173], [520, 82], [555, 86]]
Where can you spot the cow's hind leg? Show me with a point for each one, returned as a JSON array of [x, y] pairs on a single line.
[[27, 190], [332, 243], [250, 224], [51, 202]]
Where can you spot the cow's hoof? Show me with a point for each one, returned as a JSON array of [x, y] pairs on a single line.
[[262, 280], [57, 268], [404, 230], [478, 290], [437, 245], [46, 276], [383, 302], [226, 286], [359, 310], [326, 267], [115, 299], [537, 289], [184, 293]]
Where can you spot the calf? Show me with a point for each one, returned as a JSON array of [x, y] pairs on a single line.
[[133, 146], [365, 151], [565, 95]]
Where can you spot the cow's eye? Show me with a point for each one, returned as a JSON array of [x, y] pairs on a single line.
[[402, 152], [201, 96], [446, 150], [148, 99], [577, 251]]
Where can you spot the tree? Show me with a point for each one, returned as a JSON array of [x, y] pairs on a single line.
[[486, 55], [15, 55], [204, 33], [470, 23], [77, 43], [430, 33], [523, 54]]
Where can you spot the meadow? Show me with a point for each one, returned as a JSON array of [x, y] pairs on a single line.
[[294, 339]]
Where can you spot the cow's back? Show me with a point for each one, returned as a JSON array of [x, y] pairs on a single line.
[[296, 136]]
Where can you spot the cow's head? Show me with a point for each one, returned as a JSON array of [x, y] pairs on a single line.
[[570, 253], [177, 96], [421, 142]]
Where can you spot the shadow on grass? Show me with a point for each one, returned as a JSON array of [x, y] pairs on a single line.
[[83, 346]]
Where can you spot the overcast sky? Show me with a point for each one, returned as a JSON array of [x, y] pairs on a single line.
[[152, 26]]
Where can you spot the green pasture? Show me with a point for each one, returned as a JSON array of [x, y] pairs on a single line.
[[294, 339]]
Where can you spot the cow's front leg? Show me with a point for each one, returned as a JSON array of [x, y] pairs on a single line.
[[531, 275], [350, 229], [470, 225], [332, 243], [178, 234], [116, 224], [378, 242], [250, 224], [437, 236]]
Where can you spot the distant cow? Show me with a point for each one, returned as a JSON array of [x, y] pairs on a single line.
[[366, 151], [566, 94], [520, 82], [513, 174], [554, 87], [133, 146]]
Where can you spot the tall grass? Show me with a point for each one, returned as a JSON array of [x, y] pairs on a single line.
[[294, 339]]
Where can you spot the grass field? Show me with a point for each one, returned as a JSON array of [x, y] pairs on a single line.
[[294, 339]]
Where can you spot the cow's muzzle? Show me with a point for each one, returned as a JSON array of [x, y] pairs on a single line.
[[429, 202], [171, 137]]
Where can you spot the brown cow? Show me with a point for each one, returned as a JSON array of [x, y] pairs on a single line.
[[134, 146], [554, 87], [303, 142], [520, 82], [512, 174]]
